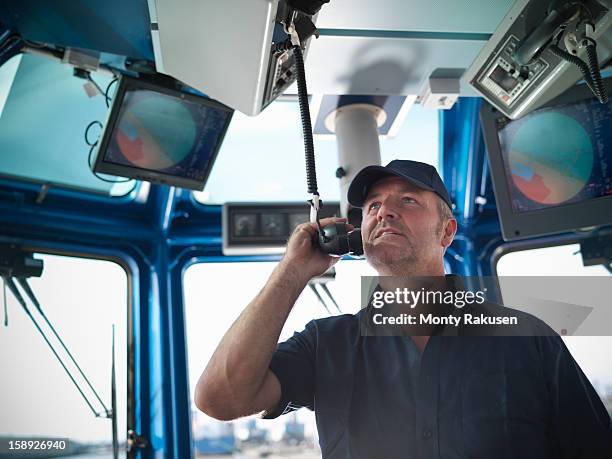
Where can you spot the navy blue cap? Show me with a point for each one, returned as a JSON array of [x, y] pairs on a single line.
[[419, 174]]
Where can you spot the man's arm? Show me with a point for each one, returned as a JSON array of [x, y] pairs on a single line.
[[237, 381]]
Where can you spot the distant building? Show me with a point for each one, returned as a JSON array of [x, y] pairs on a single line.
[[294, 430], [211, 436]]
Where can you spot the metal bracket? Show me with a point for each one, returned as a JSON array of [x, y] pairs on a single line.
[[136, 441]]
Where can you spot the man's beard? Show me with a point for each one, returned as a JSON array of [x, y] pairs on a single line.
[[397, 259]]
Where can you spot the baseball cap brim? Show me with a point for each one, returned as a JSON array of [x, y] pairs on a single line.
[[358, 190]]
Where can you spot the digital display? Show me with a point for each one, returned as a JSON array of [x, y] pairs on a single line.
[[162, 135], [558, 156], [503, 79]]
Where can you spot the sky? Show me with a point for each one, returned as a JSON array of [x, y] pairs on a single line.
[[272, 142]]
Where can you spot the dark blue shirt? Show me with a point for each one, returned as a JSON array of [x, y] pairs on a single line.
[[477, 397]]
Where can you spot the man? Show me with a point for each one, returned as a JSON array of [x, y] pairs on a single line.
[[401, 396]]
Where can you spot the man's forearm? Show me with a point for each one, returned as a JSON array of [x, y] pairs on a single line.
[[237, 369]]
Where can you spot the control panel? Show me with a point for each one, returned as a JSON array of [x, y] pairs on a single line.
[[506, 80], [517, 72]]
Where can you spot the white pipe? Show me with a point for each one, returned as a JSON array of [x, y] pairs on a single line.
[[356, 129]]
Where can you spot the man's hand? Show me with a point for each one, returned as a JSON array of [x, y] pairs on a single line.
[[303, 254]]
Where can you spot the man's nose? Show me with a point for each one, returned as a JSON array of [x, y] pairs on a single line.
[[386, 211]]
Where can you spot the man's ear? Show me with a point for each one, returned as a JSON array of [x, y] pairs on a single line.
[[448, 232]]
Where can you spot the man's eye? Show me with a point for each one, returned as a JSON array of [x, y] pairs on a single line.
[[408, 199], [374, 205]]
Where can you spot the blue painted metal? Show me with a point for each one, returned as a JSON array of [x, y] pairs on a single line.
[[114, 26], [462, 149], [464, 167]]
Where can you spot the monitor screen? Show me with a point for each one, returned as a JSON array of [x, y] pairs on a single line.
[[552, 168], [160, 134], [558, 155]]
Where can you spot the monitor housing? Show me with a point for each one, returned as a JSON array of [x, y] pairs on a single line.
[[515, 88], [181, 132], [522, 217]]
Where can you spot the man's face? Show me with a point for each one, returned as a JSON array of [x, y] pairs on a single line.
[[402, 226]]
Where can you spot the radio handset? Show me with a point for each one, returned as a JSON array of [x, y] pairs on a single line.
[[335, 239]]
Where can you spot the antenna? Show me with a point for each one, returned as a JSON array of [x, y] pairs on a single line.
[[114, 399], [27, 289]]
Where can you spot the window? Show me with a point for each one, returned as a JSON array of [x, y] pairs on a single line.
[[593, 353], [215, 295], [267, 152], [82, 298], [44, 111]]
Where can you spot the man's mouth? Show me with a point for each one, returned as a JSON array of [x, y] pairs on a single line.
[[389, 232]]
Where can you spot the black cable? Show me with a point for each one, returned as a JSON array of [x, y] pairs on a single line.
[[91, 144], [582, 66], [590, 72], [311, 173], [98, 175], [281, 46], [593, 64], [107, 98], [92, 81], [91, 150]]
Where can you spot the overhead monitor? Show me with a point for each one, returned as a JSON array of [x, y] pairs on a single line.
[[158, 133], [552, 169]]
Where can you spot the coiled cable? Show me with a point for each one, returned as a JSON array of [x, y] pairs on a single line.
[[593, 65], [311, 173], [582, 66]]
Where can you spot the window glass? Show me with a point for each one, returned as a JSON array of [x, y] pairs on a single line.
[[44, 113], [593, 353], [215, 295], [267, 153], [82, 299]]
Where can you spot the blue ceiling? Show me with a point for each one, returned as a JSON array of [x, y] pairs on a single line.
[[112, 26]]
